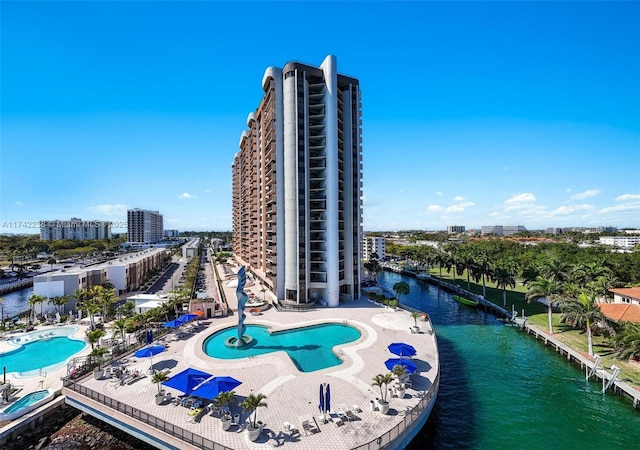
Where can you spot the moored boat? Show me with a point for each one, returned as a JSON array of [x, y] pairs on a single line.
[[465, 301]]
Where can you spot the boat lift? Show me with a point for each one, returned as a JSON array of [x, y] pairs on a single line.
[[612, 380]]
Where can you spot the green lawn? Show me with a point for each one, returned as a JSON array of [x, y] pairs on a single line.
[[536, 314]]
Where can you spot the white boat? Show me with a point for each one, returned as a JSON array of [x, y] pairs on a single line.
[[26, 404]]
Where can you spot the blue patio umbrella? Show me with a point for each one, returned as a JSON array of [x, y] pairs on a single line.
[[321, 404], [172, 324], [327, 399], [187, 380], [186, 318], [213, 386], [148, 352], [409, 365], [401, 349]]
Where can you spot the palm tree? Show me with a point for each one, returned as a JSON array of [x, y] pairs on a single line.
[[33, 301], [581, 312], [382, 381], [223, 399], [504, 277], [626, 342], [401, 288], [547, 289], [158, 378], [556, 271], [120, 325], [58, 301], [93, 337], [252, 403]]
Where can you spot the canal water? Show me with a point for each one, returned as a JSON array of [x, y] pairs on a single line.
[[502, 389], [14, 303]]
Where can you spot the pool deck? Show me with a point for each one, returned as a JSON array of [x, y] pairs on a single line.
[[291, 395]]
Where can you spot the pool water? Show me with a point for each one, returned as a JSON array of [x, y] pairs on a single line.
[[26, 401], [310, 348], [40, 354]]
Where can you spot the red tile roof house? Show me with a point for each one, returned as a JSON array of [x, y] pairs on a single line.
[[625, 306]]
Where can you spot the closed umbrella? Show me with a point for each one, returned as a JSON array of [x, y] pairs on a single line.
[[149, 337], [321, 404], [327, 399], [149, 352], [401, 349]]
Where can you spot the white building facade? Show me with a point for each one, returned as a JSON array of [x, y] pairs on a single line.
[[374, 244], [74, 229], [297, 189], [126, 273]]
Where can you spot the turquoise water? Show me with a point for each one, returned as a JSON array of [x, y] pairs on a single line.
[[40, 354], [26, 401], [502, 389], [310, 348]]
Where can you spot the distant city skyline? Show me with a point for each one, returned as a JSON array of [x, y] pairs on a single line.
[[474, 114]]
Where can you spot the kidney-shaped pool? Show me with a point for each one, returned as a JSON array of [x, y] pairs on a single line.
[[310, 348]]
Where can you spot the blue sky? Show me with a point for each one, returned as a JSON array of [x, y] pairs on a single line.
[[478, 113]]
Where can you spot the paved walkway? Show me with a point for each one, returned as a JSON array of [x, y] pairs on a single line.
[[291, 394]]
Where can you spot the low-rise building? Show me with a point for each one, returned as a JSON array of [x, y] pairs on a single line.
[[620, 241], [126, 273]]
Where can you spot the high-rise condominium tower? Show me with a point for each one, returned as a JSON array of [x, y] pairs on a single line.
[[297, 189], [144, 226]]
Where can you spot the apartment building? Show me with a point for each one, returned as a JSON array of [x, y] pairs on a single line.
[[74, 229], [297, 189], [144, 226], [374, 244], [125, 273]]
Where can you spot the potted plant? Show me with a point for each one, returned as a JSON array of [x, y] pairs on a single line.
[[400, 372], [382, 381], [415, 328], [222, 400], [98, 353], [252, 403], [158, 378]]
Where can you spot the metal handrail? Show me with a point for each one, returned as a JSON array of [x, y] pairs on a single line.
[[162, 425]]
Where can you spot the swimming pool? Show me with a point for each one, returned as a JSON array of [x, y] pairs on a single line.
[[310, 348], [41, 350], [27, 403]]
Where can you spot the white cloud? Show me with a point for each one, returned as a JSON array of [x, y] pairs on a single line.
[[187, 195], [458, 198], [438, 193], [207, 190], [435, 208], [628, 197], [620, 208], [106, 209], [19, 203], [519, 201], [454, 208], [586, 194], [572, 209]]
